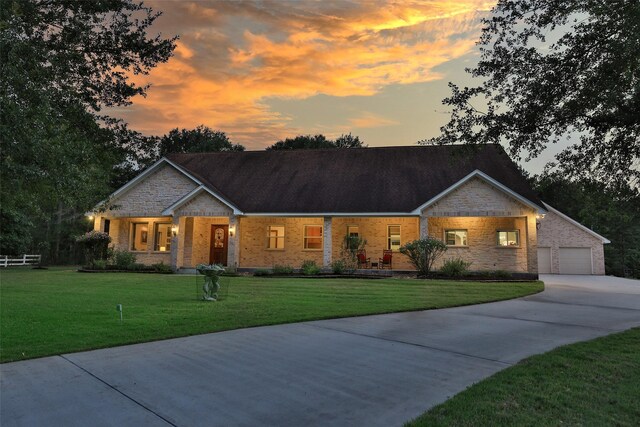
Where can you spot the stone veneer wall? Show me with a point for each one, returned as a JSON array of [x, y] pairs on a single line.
[[253, 242], [201, 240], [482, 249], [119, 230], [556, 232], [374, 231]]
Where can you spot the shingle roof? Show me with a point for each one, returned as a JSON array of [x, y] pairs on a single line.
[[367, 180]]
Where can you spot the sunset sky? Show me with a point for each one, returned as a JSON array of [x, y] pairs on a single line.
[[263, 71]]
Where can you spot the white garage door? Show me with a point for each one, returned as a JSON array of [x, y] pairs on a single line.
[[575, 260], [544, 260]]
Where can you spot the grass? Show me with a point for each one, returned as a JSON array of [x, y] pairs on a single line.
[[594, 383], [47, 312]]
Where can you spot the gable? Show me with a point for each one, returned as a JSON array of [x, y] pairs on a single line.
[[476, 197], [153, 193], [204, 204], [558, 227]]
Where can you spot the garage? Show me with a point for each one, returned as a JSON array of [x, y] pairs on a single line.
[[575, 261], [544, 260]]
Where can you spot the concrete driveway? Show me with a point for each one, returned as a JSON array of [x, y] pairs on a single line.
[[374, 370]]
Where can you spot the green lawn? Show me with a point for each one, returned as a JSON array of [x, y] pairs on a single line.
[[45, 312], [594, 383]]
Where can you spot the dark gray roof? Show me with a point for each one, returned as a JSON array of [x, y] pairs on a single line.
[[372, 180]]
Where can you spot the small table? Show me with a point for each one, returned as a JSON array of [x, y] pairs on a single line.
[[374, 265]]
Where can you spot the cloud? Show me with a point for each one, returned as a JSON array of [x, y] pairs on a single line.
[[233, 56]]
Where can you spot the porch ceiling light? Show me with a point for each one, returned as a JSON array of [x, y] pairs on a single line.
[[174, 230], [540, 216]]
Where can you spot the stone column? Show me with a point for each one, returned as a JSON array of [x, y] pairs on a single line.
[[532, 243], [175, 242], [424, 226], [233, 254], [97, 223], [327, 248]]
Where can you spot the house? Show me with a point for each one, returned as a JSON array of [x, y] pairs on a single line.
[[258, 209]]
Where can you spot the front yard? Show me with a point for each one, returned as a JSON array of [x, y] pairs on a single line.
[[46, 312]]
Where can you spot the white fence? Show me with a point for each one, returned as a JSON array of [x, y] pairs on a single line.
[[6, 261]]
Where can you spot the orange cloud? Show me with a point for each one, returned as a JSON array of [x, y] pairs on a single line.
[[233, 56]]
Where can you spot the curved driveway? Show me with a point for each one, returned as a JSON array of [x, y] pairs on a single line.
[[374, 370]]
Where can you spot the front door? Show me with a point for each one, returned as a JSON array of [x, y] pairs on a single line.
[[219, 242]]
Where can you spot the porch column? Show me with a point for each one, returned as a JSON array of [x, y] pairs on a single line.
[[326, 239], [532, 243], [424, 226], [233, 255], [175, 241]]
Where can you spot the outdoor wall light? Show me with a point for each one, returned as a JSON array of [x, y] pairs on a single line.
[[174, 230], [232, 230], [90, 217]]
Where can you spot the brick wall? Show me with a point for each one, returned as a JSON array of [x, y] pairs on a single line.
[[120, 229], [556, 232]]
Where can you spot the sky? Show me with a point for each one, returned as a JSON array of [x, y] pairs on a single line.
[[263, 71]]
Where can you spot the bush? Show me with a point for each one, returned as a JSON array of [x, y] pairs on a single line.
[[161, 267], [262, 272], [138, 267], [423, 253], [95, 244], [99, 264], [282, 269], [455, 267], [338, 266], [309, 268], [124, 260], [501, 274]]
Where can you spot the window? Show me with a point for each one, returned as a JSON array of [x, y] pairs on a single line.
[[455, 237], [275, 237], [353, 231], [509, 238], [162, 237], [106, 226], [312, 237], [393, 237], [139, 236]]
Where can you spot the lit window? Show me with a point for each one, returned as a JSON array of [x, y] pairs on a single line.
[[393, 237], [162, 237], [509, 238], [455, 237], [313, 237], [353, 231], [139, 236], [275, 237]]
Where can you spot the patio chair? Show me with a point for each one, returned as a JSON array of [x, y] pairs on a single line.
[[385, 261], [363, 261]]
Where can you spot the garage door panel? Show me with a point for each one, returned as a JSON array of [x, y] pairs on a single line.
[[544, 260], [575, 260]]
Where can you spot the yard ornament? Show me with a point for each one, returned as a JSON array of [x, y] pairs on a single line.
[[211, 285]]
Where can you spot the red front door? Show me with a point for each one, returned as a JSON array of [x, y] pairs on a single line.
[[219, 242]]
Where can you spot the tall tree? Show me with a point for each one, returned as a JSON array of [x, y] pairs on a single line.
[[552, 70], [302, 142], [199, 140], [61, 62]]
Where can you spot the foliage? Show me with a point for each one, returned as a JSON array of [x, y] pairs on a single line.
[[338, 266], [99, 264], [95, 244], [164, 307], [317, 141], [282, 269], [161, 267], [455, 267], [309, 268], [61, 62], [423, 253], [612, 213], [122, 259], [349, 249], [552, 69], [262, 272], [202, 139]]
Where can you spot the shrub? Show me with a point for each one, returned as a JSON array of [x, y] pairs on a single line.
[[282, 269], [95, 244], [501, 274], [423, 253], [262, 272], [161, 267], [99, 264], [309, 268], [455, 267], [338, 266], [138, 267], [124, 260], [349, 252]]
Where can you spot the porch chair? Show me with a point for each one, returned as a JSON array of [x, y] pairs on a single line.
[[385, 261], [363, 261]]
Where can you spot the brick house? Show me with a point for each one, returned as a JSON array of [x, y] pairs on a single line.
[[258, 209]]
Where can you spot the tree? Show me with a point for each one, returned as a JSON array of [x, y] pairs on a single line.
[[199, 140], [553, 70], [302, 142], [61, 62]]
